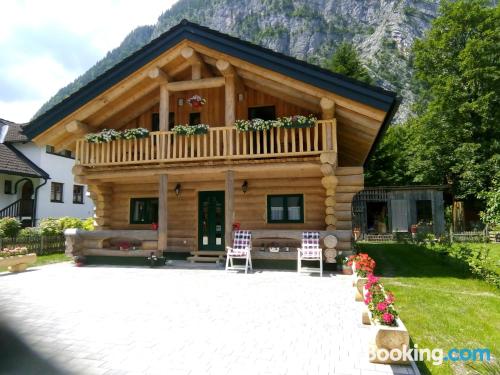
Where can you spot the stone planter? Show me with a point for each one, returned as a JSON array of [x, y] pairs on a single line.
[[359, 288], [18, 263], [384, 339]]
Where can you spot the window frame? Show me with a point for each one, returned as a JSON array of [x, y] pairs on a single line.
[[147, 201], [7, 187], [419, 209], [285, 208], [53, 195], [82, 194], [63, 153]]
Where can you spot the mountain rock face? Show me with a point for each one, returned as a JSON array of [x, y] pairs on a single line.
[[383, 31]]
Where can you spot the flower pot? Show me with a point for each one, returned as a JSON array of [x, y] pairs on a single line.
[[346, 270], [359, 289], [196, 105], [383, 339], [18, 263]]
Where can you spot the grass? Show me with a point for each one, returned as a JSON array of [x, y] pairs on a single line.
[[42, 260], [439, 301]]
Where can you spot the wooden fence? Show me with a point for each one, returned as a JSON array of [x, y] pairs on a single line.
[[472, 236], [41, 245]]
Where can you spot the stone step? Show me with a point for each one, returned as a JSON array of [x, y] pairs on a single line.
[[203, 253], [205, 259]]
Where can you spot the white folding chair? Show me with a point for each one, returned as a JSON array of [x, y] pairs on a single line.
[[310, 251], [242, 247]]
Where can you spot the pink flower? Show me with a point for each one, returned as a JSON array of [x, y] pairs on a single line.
[[389, 299], [368, 300], [381, 306], [388, 318]]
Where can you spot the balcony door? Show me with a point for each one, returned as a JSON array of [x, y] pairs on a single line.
[[211, 220]]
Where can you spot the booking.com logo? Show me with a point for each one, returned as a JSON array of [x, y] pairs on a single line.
[[436, 356]]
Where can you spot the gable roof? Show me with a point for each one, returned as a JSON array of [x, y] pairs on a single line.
[[14, 162], [336, 83], [14, 132]]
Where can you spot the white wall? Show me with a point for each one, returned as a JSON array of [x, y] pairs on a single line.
[[59, 169], [7, 199]]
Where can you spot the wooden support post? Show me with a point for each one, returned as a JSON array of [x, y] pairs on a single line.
[[229, 207], [328, 113], [163, 213], [230, 98], [164, 110]]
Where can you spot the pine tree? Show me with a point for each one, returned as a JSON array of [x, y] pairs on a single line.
[[346, 61]]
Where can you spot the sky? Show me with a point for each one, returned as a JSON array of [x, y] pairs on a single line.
[[44, 45]]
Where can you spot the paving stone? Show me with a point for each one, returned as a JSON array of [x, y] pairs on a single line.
[[133, 320]]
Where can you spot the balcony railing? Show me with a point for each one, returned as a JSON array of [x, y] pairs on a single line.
[[219, 143]]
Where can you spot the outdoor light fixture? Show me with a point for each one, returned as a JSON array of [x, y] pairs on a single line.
[[180, 102], [244, 187], [177, 189]]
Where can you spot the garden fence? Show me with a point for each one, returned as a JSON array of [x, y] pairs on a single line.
[[471, 236], [41, 245]]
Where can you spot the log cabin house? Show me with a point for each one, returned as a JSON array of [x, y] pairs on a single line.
[[275, 182]]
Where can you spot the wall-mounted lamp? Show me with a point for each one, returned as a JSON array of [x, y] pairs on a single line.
[[241, 97], [180, 102], [244, 187], [177, 190]]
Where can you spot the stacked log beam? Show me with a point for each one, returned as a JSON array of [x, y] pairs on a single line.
[[102, 197]]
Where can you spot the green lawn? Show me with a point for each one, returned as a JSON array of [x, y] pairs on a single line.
[[46, 259], [439, 301]]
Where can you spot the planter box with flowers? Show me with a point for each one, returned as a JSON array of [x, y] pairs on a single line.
[[292, 122], [388, 331], [362, 266], [109, 135], [187, 130], [17, 259]]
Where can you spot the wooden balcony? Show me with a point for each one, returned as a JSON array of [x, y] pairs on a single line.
[[220, 143]]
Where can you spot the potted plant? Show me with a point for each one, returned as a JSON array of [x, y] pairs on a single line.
[[362, 266], [388, 331], [16, 259], [343, 266], [187, 130], [196, 101]]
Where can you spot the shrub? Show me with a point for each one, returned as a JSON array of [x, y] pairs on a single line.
[[88, 224], [29, 232], [9, 227], [56, 226]]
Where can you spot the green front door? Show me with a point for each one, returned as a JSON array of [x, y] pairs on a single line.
[[211, 220]]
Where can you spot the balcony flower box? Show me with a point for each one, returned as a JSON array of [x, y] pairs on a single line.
[[16, 260]]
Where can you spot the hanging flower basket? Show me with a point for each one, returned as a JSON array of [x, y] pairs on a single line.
[[197, 101]]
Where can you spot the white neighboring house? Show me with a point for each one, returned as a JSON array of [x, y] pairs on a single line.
[[36, 182]]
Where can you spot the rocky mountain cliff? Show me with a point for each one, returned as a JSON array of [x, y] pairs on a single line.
[[383, 31]]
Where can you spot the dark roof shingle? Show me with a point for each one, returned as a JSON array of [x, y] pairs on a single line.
[[13, 162]]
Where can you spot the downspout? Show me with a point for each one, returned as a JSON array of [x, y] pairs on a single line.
[[35, 200]]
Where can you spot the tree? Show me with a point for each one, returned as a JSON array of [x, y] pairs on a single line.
[[346, 61], [457, 134], [9, 227], [388, 166]]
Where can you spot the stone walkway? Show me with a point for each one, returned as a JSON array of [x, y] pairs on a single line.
[[133, 320]]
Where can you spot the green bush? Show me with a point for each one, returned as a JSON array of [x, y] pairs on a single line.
[[29, 232], [9, 227], [56, 226]]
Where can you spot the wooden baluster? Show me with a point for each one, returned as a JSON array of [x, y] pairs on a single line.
[[257, 135], [237, 140], [218, 142], [265, 141], [301, 139], [198, 146], [245, 143], [251, 143], [77, 152], [168, 140], [293, 139], [210, 139], [205, 150], [316, 148], [192, 154], [285, 131], [278, 139], [271, 132], [308, 139], [136, 150], [186, 145], [334, 135], [323, 137]]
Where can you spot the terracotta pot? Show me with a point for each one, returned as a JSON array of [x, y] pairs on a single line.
[[346, 270]]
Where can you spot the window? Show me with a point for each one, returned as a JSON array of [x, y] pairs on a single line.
[[424, 211], [285, 208], [78, 194], [7, 187], [194, 118], [143, 210], [56, 192], [155, 121], [66, 153], [264, 113]]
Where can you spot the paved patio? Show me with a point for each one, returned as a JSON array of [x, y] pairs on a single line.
[[133, 320]]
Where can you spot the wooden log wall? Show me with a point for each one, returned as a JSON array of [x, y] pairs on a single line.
[[213, 112], [350, 181]]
